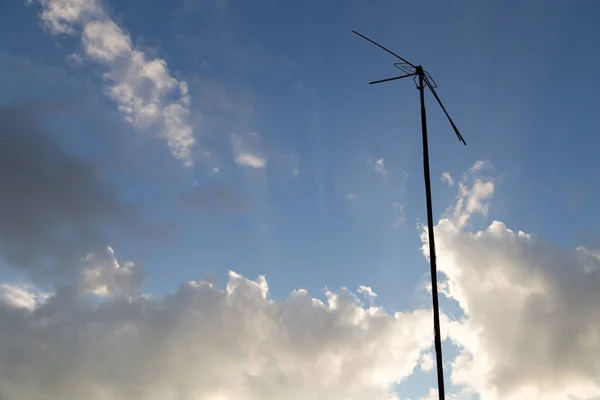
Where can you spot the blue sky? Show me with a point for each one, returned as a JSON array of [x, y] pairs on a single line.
[[301, 171]]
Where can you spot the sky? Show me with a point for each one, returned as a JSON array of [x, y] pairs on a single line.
[[205, 200]]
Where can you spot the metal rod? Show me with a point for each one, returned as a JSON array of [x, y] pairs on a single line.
[[432, 258], [458, 135], [391, 79], [383, 48]]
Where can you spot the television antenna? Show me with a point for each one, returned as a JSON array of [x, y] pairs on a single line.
[[423, 79]]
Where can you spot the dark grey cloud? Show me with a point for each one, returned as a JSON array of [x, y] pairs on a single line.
[[53, 205]]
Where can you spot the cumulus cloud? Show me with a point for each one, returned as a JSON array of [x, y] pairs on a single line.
[[247, 151], [145, 92], [531, 327], [201, 342], [102, 275], [53, 205], [367, 293]]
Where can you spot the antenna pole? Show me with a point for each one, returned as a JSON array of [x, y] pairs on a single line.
[[432, 258]]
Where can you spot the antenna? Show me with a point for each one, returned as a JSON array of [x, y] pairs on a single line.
[[423, 79]]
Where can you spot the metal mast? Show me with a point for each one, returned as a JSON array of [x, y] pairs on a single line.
[[423, 79]]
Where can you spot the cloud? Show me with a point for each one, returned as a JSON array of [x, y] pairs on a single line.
[[377, 165], [531, 328], [102, 275], [144, 91], [244, 159], [447, 178], [434, 395], [427, 363], [367, 293], [479, 165], [473, 193], [201, 342], [74, 60], [350, 196], [247, 151], [21, 296], [53, 205]]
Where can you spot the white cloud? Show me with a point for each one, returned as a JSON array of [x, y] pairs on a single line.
[[102, 275], [247, 151], [479, 165], [531, 327], [350, 196], [143, 89], [473, 193], [202, 342], [21, 296], [61, 16], [250, 160], [368, 293], [434, 395], [105, 41], [447, 178], [377, 165], [427, 363]]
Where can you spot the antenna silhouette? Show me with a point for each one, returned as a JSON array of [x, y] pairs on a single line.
[[422, 78]]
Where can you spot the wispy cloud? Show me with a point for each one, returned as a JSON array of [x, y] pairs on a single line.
[[368, 294], [447, 178], [247, 151], [143, 89], [472, 197], [377, 165], [250, 160], [399, 218]]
